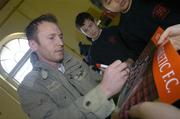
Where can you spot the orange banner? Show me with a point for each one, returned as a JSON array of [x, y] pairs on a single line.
[[166, 70]]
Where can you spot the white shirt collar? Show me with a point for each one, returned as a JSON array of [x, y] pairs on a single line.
[[61, 68]]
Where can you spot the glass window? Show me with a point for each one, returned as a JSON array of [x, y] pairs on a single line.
[[14, 57]]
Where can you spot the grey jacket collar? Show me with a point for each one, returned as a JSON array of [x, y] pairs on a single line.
[[38, 64]]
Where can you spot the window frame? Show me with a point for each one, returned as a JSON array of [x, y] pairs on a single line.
[[9, 77]]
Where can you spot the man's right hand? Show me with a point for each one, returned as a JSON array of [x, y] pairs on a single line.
[[114, 78]]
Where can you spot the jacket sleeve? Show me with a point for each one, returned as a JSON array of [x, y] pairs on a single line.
[[39, 105]]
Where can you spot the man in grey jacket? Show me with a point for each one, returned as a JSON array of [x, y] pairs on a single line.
[[61, 86]]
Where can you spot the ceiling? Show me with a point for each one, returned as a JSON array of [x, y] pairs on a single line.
[[3, 3]]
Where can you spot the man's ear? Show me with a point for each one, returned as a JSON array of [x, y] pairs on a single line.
[[33, 45]]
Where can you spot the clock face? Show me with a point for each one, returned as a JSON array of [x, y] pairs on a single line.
[[14, 58]]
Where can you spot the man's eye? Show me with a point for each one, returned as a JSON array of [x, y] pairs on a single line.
[[51, 38], [61, 37]]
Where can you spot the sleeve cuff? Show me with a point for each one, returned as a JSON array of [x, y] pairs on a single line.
[[96, 102]]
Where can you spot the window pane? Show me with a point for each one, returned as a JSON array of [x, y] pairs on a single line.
[[12, 52], [7, 61], [25, 69]]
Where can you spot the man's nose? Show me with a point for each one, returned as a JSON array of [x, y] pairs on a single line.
[[60, 41]]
